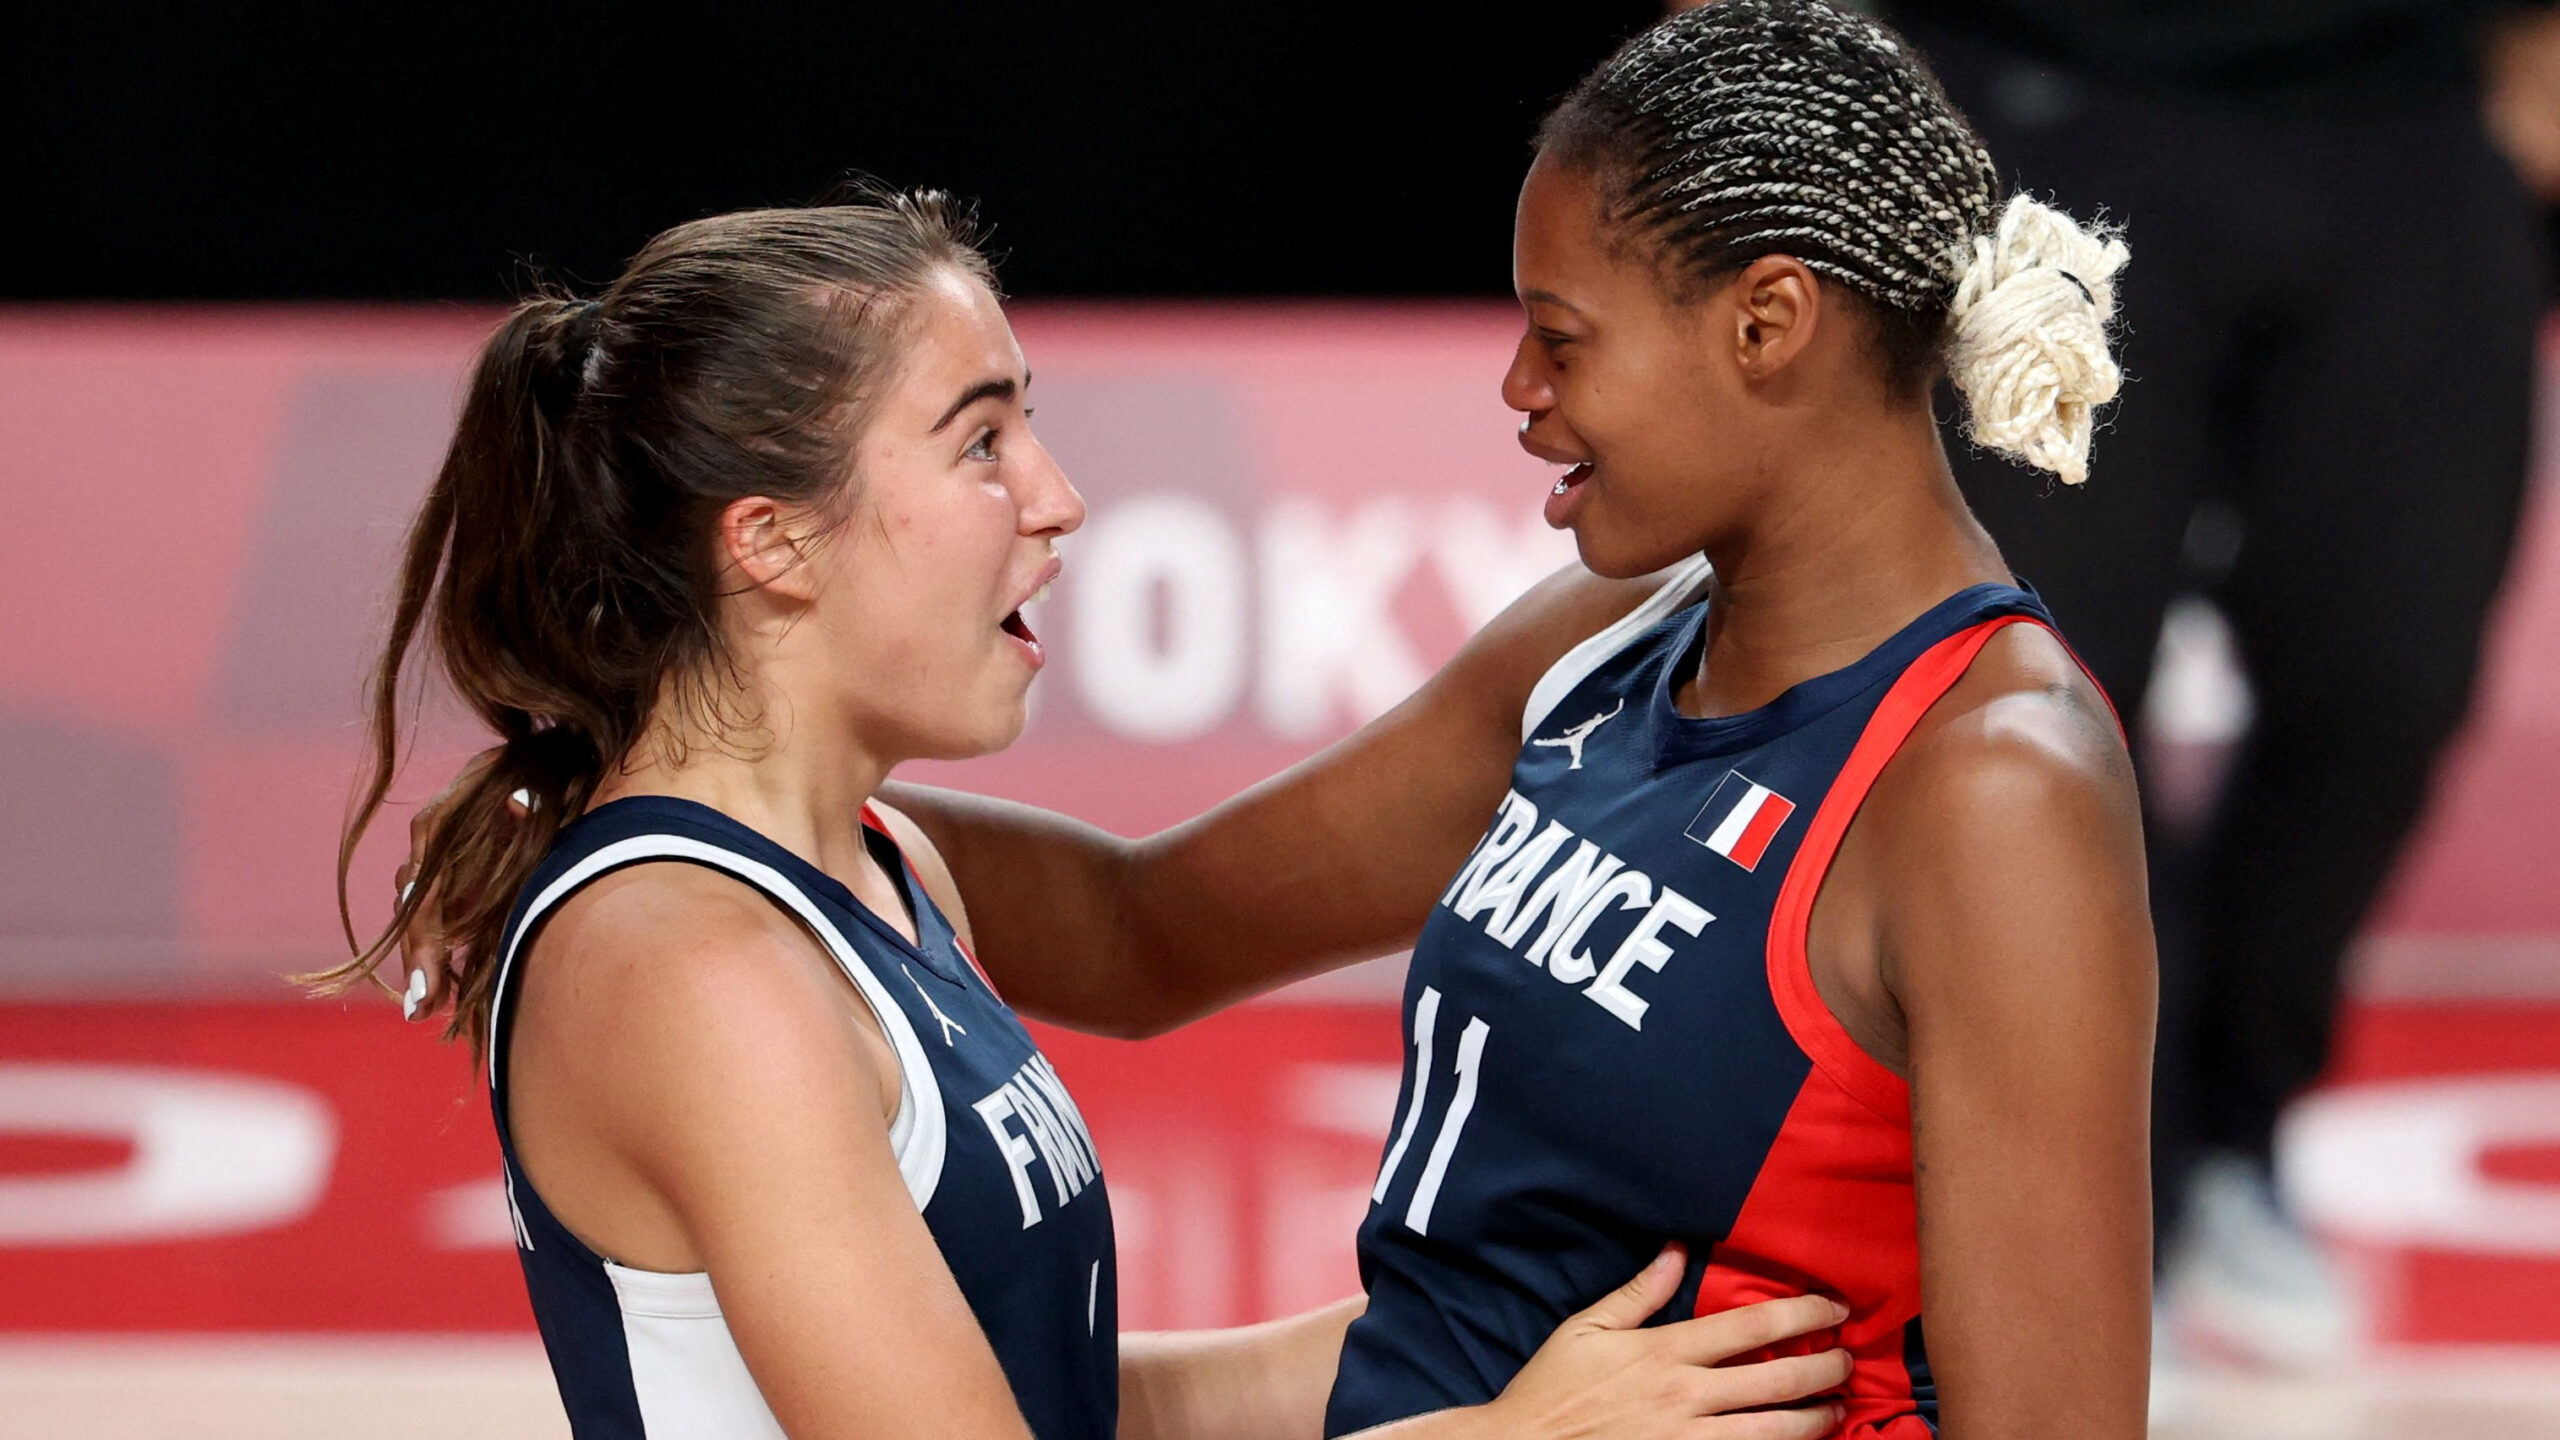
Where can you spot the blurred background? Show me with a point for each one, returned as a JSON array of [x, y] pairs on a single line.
[[1259, 258]]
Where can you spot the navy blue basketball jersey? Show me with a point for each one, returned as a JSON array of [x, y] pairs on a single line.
[[992, 1148], [1612, 1038]]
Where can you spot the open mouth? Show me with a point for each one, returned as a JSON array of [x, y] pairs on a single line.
[[1560, 501], [1029, 644], [1014, 625]]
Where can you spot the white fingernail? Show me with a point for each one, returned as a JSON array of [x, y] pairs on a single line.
[[405, 887], [523, 799], [414, 996]]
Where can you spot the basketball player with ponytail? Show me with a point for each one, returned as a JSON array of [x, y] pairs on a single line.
[[712, 553], [1774, 884]]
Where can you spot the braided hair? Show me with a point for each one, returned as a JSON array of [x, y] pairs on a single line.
[[1747, 128]]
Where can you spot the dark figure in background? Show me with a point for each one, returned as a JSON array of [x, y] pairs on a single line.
[[2329, 348]]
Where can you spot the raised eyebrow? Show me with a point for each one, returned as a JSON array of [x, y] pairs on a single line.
[[1004, 388], [1548, 297]]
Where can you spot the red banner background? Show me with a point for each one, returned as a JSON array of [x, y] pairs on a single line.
[[1296, 512]]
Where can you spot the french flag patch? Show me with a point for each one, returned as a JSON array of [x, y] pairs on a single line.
[[1740, 820]]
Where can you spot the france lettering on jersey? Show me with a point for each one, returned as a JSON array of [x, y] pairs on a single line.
[[992, 1148], [1612, 1036]]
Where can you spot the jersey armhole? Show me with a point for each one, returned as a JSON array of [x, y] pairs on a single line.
[[955, 911], [1684, 583], [917, 1136], [1800, 1004]]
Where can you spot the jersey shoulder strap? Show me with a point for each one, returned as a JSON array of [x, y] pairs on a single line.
[[1808, 1017], [917, 1135], [1682, 585]]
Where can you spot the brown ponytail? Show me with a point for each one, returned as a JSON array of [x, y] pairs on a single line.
[[562, 566]]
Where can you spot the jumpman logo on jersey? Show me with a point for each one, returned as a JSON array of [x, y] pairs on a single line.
[[1572, 739], [949, 1025]]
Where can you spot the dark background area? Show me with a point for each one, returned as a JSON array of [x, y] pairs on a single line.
[[330, 151]]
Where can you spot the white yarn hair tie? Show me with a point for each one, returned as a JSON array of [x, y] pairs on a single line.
[[2030, 335]]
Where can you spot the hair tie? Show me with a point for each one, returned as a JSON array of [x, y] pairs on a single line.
[[2034, 365]]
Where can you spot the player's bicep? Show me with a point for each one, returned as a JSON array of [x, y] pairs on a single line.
[[757, 1119], [2021, 955]]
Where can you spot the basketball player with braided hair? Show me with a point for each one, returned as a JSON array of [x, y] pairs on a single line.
[[1774, 883], [1815, 932]]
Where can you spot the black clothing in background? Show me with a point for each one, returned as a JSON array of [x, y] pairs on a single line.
[[262, 150], [2329, 328], [2309, 51]]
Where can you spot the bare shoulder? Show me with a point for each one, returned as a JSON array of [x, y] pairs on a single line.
[[700, 1087], [651, 929], [2009, 818], [2013, 840], [1570, 604], [666, 980], [938, 882], [1568, 607], [1503, 662], [2025, 732]]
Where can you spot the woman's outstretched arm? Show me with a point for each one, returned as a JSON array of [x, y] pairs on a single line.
[[1332, 861], [1335, 860]]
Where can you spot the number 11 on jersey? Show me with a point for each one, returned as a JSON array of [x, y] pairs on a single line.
[[1426, 1191]]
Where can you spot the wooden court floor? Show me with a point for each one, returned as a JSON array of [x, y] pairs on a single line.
[[393, 1389]]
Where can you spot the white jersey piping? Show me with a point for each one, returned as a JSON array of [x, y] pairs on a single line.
[[917, 1136], [1682, 585], [687, 1377]]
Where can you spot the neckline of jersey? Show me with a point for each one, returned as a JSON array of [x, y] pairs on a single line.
[[1680, 737], [676, 809]]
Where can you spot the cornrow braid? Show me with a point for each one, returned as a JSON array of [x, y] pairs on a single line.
[[1746, 128]]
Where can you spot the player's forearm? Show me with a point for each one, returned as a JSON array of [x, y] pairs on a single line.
[[1257, 1382], [1134, 937], [1048, 904]]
